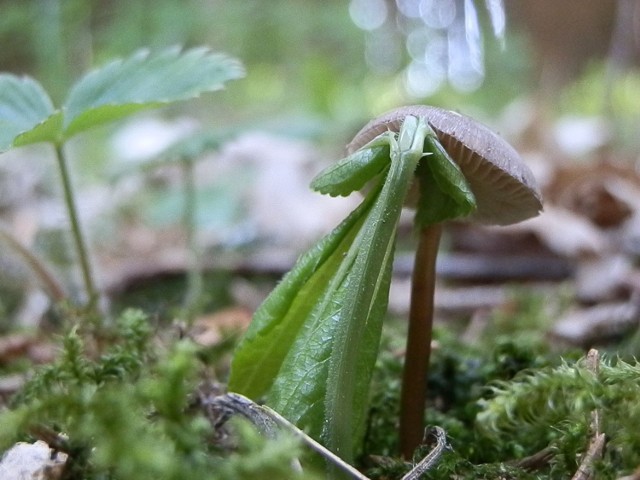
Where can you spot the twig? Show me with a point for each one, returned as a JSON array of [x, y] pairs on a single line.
[[432, 457], [267, 421], [635, 475], [585, 470], [49, 282], [596, 444], [537, 460], [593, 364]]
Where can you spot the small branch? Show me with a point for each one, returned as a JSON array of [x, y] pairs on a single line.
[[432, 457], [416, 363], [585, 470], [593, 364], [54, 289], [596, 445], [635, 475], [536, 461], [266, 419]]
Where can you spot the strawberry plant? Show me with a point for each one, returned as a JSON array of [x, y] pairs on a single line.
[[121, 88]]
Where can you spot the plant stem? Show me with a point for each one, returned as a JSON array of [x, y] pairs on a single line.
[[81, 250], [416, 364], [194, 276]]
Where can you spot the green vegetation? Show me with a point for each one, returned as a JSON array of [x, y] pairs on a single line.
[[117, 90], [312, 345], [503, 403], [129, 412], [128, 398], [129, 409]]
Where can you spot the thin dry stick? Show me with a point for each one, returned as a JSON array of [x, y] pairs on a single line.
[[635, 475], [536, 461], [54, 289], [432, 457], [596, 444], [593, 364], [266, 419], [416, 363], [585, 470]]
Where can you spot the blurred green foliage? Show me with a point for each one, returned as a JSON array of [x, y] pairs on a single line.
[[290, 46], [303, 56], [603, 92]]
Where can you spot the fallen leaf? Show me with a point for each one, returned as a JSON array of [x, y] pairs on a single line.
[[210, 330], [597, 325]]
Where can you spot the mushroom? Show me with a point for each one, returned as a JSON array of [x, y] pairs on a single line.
[[505, 192]]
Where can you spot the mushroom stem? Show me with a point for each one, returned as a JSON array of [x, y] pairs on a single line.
[[416, 364]]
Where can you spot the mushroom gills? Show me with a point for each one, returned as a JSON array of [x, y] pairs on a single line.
[[505, 189]]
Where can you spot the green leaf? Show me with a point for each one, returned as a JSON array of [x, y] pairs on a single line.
[[444, 191], [318, 333], [322, 383], [275, 325], [365, 294], [24, 105], [353, 172], [145, 81], [190, 148], [48, 131]]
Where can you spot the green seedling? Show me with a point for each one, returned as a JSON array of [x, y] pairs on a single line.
[[119, 89], [311, 347], [185, 153]]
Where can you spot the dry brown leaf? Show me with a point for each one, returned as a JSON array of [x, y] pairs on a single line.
[[597, 325], [19, 345], [210, 330], [594, 190], [565, 233]]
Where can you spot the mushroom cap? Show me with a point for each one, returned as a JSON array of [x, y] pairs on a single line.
[[505, 189]]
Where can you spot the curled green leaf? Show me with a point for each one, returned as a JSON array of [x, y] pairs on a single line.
[[444, 191], [353, 172]]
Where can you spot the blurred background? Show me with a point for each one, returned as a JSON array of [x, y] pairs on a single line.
[[346, 60], [560, 80]]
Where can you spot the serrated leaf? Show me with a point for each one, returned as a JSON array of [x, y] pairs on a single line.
[[145, 81], [48, 131], [24, 104], [186, 149]]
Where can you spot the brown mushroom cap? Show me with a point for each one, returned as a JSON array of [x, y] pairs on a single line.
[[506, 191]]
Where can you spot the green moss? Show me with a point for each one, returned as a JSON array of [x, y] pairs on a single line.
[[125, 413], [508, 400]]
